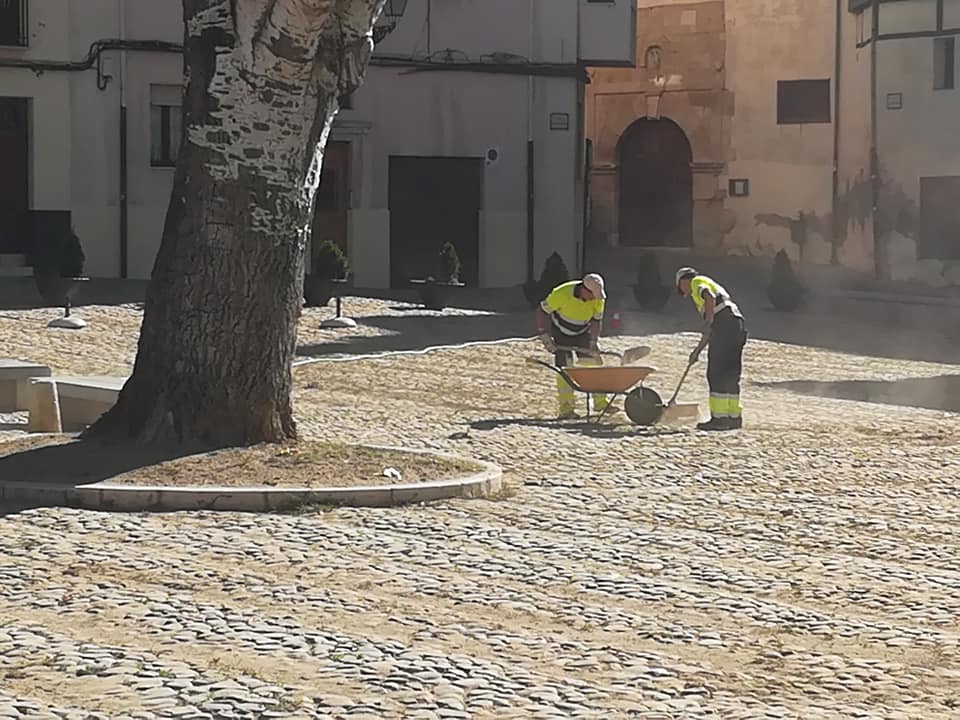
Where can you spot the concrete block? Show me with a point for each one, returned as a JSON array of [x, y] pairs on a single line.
[[44, 407], [15, 382], [84, 399]]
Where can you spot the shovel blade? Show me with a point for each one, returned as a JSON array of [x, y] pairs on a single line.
[[631, 355]]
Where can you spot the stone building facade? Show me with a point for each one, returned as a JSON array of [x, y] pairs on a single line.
[[748, 126]]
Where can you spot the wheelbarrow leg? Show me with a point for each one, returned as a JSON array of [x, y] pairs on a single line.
[[612, 399]]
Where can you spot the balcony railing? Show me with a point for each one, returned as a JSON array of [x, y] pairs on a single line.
[[13, 23]]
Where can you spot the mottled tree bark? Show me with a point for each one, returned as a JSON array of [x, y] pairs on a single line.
[[213, 365]]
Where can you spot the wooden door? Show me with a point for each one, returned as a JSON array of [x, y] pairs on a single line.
[[939, 218], [434, 200], [14, 153], [656, 185], [333, 199], [14, 175]]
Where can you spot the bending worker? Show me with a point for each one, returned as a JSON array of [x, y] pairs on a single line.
[[724, 332], [575, 310]]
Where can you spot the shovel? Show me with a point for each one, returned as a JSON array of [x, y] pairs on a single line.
[[627, 357], [676, 392]]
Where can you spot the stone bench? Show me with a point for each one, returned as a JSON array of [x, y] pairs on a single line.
[[15, 382], [84, 399]]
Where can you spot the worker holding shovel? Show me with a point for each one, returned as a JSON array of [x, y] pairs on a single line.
[[575, 311], [724, 332]]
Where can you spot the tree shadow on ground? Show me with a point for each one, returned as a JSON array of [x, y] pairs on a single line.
[[935, 393], [20, 293], [599, 431], [78, 462], [418, 332]]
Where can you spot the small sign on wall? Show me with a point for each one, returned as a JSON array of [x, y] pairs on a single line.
[[894, 101], [739, 187], [559, 121]]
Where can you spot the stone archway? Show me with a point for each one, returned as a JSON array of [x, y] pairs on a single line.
[[655, 184]]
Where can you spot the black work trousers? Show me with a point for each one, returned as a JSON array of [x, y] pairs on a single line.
[[725, 364]]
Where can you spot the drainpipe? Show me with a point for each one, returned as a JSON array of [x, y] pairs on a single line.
[[531, 206], [837, 50], [123, 143], [879, 252]]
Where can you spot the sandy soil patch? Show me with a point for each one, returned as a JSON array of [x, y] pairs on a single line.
[[313, 464]]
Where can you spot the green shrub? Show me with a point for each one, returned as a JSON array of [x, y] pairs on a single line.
[[785, 291], [329, 262], [59, 255], [650, 291], [554, 273]]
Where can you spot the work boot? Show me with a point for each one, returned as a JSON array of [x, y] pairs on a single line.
[[735, 423], [715, 423]]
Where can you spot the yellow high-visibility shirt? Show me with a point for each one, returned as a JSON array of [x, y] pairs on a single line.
[[722, 299], [570, 314]]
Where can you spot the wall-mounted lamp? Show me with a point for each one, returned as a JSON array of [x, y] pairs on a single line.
[[392, 11]]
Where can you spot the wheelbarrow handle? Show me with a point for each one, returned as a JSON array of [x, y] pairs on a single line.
[[586, 351], [558, 370]]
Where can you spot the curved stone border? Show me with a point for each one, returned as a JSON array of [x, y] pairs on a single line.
[[140, 498]]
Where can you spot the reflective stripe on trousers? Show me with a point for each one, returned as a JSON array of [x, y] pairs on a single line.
[[725, 405]]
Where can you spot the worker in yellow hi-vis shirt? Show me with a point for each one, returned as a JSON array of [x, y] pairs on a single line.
[[724, 332], [575, 311]]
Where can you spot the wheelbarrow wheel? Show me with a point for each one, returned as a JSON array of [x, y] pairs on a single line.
[[643, 406]]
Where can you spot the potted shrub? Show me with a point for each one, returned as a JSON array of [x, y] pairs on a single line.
[[435, 289], [330, 273], [785, 291], [650, 291], [57, 262], [554, 273]]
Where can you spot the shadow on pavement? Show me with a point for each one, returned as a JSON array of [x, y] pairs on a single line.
[[812, 329], [423, 331], [935, 393], [601, 431], [80, 462]]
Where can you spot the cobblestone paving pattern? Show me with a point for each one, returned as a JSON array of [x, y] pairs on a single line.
[[806, 567]]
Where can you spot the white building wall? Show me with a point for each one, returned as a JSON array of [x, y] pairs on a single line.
[[75, 127], [920, 139], [854, 187], [466, 114]]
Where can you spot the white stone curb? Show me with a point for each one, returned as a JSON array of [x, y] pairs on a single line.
[[140, 498]]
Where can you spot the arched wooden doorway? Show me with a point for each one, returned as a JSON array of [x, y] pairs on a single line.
[[655, 185]]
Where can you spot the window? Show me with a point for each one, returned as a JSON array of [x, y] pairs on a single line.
[[803, 101], [13, 22], [939, 236], [165, 117], [944, 63]]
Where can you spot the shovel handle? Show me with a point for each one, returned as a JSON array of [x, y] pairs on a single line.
[[679, 385]]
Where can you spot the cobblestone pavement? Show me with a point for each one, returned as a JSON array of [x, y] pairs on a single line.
[[805, 567]]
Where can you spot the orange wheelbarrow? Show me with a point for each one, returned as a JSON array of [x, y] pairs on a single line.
[[641, 403]]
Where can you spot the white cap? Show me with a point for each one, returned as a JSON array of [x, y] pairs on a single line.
[[684, 272], [594, 283]]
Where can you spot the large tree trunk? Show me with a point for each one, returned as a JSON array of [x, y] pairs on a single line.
[[213, 365]]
